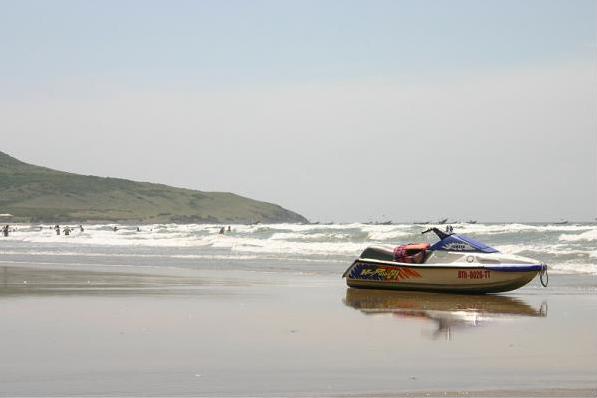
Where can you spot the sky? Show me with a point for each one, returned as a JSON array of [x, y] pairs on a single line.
[[339, 110]]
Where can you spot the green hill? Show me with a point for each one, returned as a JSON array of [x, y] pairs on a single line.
[[33, 193]]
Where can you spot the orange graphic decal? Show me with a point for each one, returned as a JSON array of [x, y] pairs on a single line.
[[392, 274]]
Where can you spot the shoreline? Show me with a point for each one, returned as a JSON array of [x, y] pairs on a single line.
[[522, 393]]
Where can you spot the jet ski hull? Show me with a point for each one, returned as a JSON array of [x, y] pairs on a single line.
[[452, 278]]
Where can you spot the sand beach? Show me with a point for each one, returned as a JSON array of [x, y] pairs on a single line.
[[75, 330]]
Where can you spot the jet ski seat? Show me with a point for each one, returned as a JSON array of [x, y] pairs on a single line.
[[414, 253], [378, 253]]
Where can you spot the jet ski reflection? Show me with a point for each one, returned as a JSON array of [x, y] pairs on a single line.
[[449, 312]]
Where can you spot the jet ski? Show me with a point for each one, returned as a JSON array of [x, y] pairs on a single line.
[[454, 264]]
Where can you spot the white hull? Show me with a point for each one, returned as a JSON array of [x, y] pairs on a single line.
[[456, 278]]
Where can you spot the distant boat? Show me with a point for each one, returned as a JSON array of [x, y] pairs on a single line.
[[471, 222], [386, 223], [561, 222], [445, 220]]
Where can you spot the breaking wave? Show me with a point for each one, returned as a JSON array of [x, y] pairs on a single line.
[[566, 248], [589, 236]]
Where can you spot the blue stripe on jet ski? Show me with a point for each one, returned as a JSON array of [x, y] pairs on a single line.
[[516, 268]]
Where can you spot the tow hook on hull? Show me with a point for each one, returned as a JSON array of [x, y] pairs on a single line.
[[543, 274]]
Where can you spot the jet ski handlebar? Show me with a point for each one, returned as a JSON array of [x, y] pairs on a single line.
[[440, 234]]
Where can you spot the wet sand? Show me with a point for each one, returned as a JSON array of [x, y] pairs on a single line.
[[157, 331]]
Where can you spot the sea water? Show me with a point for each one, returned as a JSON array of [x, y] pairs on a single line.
[[321, 249]]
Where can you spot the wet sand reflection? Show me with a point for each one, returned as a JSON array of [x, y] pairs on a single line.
[[448, 311]]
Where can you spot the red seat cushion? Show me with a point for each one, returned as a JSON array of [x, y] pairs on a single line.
[[410, 253]]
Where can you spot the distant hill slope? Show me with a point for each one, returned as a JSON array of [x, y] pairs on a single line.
[[36, 193]]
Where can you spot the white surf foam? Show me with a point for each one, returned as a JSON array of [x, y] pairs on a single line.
[[576, 243], [588, 236], [297, 248], [387, 235], [557, 250], [574, 268]]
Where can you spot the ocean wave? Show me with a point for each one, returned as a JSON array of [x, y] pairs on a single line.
[[588, 236], [387, 235], [574, 268], [315, 237], [499, 229], [298, 248], [568, 248], [556, 250]]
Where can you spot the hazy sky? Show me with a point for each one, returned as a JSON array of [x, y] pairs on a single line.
[[339, 110]]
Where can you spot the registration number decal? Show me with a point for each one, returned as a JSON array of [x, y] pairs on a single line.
[[474, 274]]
